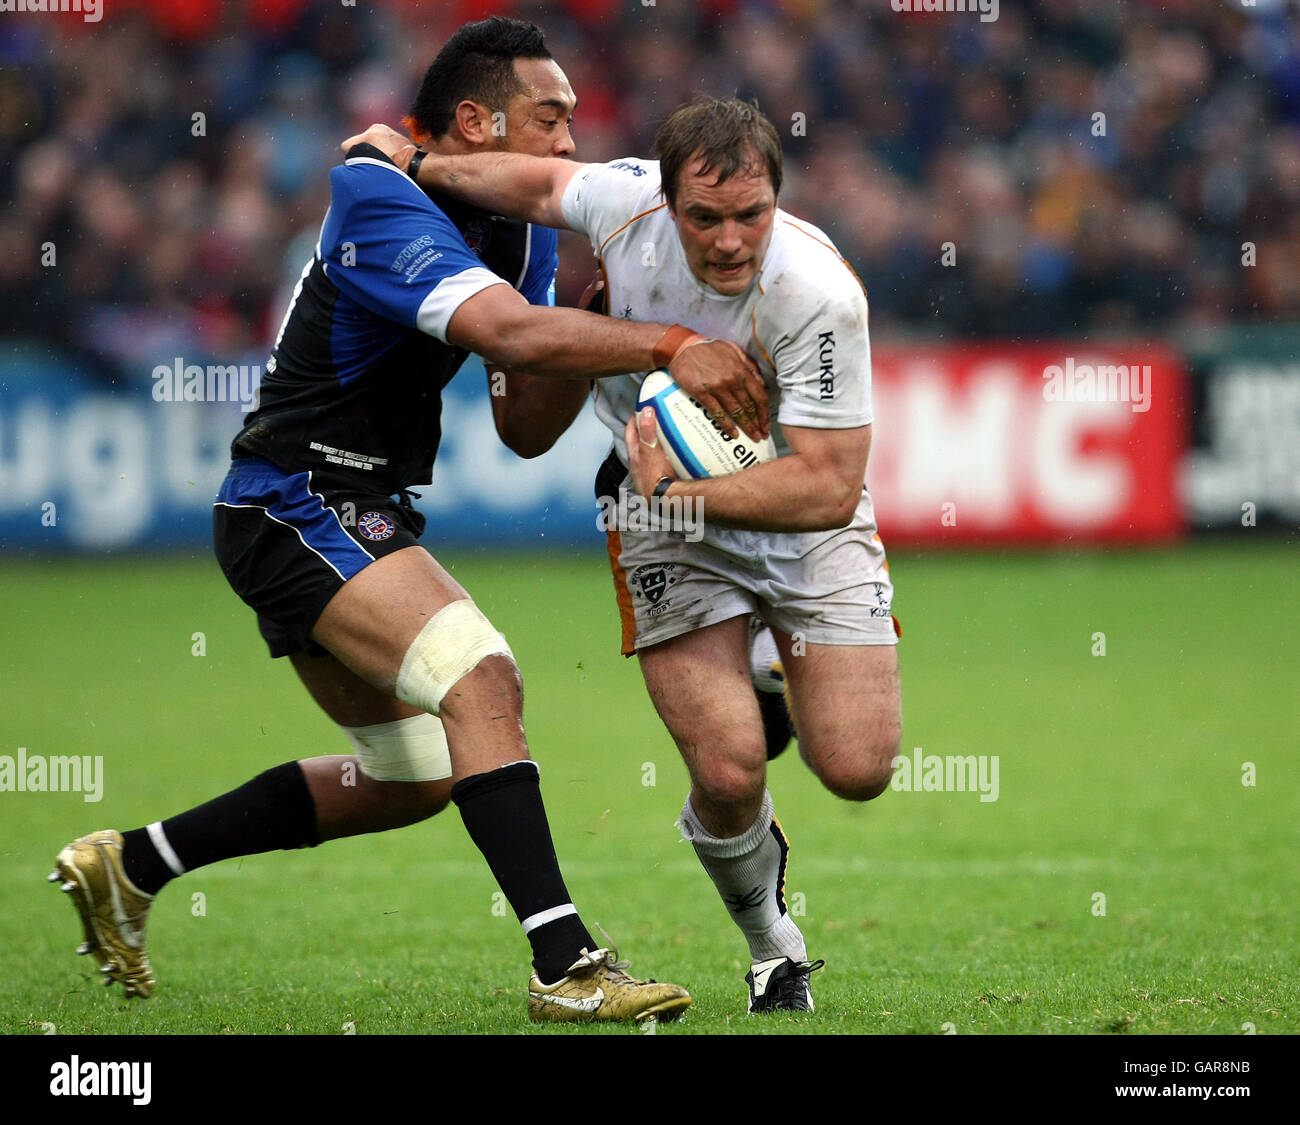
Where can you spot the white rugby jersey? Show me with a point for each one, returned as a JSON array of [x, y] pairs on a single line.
[[803, 321]]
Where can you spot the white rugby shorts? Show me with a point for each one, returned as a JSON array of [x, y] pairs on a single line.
[[830, 587]]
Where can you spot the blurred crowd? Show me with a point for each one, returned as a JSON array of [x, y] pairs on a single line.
[[1072, 167]]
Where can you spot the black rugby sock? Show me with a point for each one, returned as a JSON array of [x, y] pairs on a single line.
[[272, 811], [505, 817]]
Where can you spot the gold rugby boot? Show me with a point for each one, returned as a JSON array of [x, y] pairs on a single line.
[[113, 911], [598, 987]]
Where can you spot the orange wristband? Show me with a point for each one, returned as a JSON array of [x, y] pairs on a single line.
[[671, 342]]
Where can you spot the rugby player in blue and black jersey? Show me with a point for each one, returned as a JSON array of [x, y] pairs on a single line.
[[315, 530]]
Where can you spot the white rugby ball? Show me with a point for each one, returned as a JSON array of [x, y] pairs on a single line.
[[693, 442]]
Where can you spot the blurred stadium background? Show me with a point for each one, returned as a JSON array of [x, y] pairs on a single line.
[[914, 140], [164, 177]]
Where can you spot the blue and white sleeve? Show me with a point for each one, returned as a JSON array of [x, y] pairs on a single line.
[[388, 247]]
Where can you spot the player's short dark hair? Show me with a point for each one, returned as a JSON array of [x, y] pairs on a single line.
[[729, 134], [476, 64]]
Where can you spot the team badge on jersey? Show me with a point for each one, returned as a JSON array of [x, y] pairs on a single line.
[[375, 526]]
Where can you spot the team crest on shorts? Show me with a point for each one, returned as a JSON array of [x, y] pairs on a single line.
[[375, 526], [654, 581]]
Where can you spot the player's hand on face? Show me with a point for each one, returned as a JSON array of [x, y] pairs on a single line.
[[644, 457], [390, 142], [718, 374]]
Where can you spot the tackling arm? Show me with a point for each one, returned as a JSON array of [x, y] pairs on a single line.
[[509, 183], [505, 330], [502, 327]]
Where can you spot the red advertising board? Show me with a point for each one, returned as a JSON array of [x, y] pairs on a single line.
[[1028, 443]]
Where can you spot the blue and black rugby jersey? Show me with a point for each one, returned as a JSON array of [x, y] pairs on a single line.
[[353, 388]]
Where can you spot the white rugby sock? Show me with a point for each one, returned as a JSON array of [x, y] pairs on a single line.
[[749, 872]]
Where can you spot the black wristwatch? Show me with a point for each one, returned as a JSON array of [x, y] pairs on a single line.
[[665, 483], [413, 168]]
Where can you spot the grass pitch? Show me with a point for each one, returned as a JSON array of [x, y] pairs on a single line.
[[1120, 775]]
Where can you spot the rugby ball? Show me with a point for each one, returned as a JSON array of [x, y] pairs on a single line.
[[693, 442]]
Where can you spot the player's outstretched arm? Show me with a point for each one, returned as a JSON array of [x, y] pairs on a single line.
[[507, 331], [491, 323], [815, 487], [509, 183]]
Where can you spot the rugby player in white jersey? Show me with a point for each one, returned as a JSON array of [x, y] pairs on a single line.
[[696, 238]]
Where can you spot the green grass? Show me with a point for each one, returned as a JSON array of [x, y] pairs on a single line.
[[1119, 774]]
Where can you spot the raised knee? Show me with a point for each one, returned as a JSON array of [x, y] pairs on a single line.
[[860, 775]]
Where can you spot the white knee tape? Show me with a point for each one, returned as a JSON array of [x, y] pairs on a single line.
[[413, 749], [456, 638]]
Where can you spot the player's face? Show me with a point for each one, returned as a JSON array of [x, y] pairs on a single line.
[[724, 227], [538, 120]]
